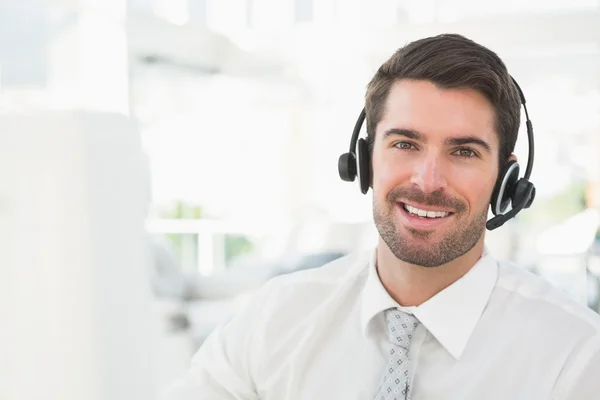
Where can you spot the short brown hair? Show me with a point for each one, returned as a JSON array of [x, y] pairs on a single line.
[[450, 61]]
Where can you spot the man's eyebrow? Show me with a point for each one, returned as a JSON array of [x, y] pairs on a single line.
[[409, 133], [460, 141]]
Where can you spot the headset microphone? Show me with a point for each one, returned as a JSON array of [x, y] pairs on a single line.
[[499, 220], [510, 190]]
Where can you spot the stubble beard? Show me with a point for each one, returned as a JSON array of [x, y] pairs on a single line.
[[411, 245]]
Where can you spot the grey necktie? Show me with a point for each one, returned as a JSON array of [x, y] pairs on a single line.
[[395, 382]]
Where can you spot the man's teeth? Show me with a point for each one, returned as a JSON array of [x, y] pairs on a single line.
[[423, 213]]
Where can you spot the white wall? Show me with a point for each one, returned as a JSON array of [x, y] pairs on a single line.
[[77, 313]]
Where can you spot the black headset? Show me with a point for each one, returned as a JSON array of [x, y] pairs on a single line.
[[509, 188]]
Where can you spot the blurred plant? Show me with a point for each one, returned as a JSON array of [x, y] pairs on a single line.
[[184, 245], [567, 203], [180, 210], [237, 245]]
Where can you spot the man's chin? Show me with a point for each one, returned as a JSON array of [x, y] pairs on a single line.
[[422, 237], [421, 258], [415, 249]]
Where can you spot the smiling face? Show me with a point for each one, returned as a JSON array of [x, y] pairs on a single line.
[[435, 163]]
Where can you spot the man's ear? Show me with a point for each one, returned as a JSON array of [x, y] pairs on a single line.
[[510, 158], [502, 168]]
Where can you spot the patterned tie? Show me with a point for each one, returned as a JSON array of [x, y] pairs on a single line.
[[395, 383]]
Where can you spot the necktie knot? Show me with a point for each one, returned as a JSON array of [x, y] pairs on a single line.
[[401, 326]]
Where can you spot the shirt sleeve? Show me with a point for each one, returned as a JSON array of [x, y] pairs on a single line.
[[581, 379], [223, 366]]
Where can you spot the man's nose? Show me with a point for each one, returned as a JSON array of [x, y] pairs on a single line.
[[429, 173]]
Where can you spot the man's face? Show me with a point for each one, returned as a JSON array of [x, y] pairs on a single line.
[[435, 163]]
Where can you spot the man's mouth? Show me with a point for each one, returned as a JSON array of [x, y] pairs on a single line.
[[431, 214]]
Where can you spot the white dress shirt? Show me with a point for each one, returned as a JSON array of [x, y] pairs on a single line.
[[499, 332]]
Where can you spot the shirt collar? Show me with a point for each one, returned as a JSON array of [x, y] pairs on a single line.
[[451, 315]]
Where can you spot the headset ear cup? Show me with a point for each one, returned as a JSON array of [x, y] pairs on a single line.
[[364, 165], [347, 167], [531, 198], [505, 188], [521, 192]]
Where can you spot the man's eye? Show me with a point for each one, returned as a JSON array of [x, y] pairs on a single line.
[[404, 145], [467, 153]]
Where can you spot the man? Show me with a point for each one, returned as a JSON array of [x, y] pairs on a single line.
[[430, 314]]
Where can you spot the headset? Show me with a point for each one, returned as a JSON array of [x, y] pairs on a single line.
[[509, 190]]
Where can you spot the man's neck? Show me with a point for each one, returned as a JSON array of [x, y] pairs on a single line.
[[412, 285]]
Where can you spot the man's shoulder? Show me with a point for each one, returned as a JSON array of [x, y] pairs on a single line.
[[536, 292], [333, 272], [302, 291], [321, 281]]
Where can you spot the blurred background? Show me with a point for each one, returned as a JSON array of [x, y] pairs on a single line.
[[161, 159]]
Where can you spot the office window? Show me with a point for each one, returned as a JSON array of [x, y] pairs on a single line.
[[250, 14], [197, 12], [303, 10], [141, 5], [25, 37]]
